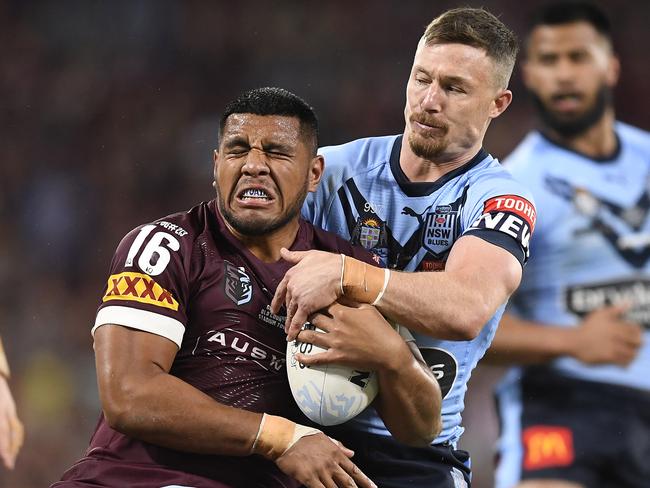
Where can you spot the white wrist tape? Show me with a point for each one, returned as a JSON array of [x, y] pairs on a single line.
[[276, 435]]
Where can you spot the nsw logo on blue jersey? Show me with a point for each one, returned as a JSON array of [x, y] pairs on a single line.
[[439, 229]]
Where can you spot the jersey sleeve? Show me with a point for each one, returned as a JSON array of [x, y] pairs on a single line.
[[147, 287], [502, 212]]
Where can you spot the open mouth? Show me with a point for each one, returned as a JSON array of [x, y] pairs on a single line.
[[566, 101]]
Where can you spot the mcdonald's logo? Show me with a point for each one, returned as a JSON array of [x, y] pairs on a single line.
[[547, 446], [138, 287]]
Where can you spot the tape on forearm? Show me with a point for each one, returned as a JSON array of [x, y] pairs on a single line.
[[4, 365], [362, 282], [276, 435]]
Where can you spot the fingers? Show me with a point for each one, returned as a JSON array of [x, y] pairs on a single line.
[[293, 257], [17, 438], [360, 479], [11, 440], [319, 339], [348, 452], [296, 322], [633, 334], [317, 359], [323, 322], [335, 307], [625, 354], [342, 479], [280, 296], [5, 441], [292, 307], [617, 309]]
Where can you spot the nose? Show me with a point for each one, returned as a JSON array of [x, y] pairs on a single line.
[[564, 71], [256, 163], [432, 101]]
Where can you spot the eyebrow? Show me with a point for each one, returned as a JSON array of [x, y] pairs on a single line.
[[234, 141], [240, 141], [447, 78], [457, 80], [277, 146]]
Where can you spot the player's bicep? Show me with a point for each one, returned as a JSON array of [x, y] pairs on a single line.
[[123, 354], [490, 269]]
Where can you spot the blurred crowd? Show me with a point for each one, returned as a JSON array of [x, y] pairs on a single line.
[[108, 117]]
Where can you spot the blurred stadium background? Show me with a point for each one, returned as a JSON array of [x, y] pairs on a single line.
[[108, 117]]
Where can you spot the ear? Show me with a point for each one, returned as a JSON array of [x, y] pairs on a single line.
[[500, 103], [525, 72], [316, 167], [613, 70], [215, 158]]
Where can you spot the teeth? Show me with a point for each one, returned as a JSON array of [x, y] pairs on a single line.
[[255, 193]]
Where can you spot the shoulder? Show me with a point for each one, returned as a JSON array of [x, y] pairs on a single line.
[[492, 179], [176, 232], [359, 154], [633, 136], [527, 158]]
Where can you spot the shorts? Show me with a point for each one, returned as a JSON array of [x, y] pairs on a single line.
[[391, 464], [591, 433]]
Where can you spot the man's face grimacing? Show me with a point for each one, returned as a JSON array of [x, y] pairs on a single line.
[[263, 170], [451, 97], [570, 70]]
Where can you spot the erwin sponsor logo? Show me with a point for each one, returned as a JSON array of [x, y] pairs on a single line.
[[547, 446], [138, 287], [582, 299]]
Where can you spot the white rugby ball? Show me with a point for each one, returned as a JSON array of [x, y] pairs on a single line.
[[328, 394]]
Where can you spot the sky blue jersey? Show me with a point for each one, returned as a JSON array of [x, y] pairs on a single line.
[[592, 244], [365, 197]]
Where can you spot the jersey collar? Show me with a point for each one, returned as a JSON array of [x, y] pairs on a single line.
[[604, 159]]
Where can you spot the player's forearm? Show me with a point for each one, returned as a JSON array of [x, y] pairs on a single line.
[[164, 410], [411, 409], [520, 341], [436, 304]]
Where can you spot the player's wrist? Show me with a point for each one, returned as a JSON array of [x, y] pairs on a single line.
[[568, 342], [4, 364], [362, 282], [276, 435]]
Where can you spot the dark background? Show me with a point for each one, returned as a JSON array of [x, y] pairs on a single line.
[[108, 118]]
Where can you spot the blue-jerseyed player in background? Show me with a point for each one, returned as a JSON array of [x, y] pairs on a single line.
[[428, 200], [576, 414]]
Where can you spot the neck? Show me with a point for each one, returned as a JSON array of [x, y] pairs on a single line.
[[267, 247], [419, 169], [599, 141]]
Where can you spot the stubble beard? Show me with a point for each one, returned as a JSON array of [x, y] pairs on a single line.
[[425, 147], [580, 123]]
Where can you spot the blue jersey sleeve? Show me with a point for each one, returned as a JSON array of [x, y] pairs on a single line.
[[502, 212]]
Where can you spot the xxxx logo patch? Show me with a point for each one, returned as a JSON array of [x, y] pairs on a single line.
[[138, 287]]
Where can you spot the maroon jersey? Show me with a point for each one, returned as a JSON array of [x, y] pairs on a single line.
[[187, 278]]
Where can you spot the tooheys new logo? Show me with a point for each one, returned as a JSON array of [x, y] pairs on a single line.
[[511, 214]]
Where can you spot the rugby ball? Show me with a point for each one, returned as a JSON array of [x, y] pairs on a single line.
[[328, 394]]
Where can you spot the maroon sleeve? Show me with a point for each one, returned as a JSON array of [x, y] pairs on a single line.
[[147, 287]]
